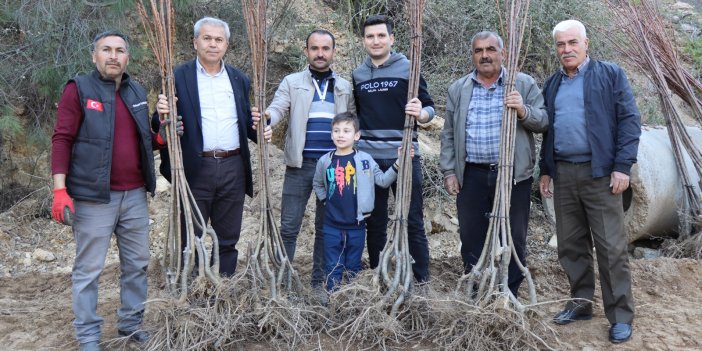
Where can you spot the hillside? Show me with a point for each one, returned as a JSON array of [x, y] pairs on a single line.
[[36, 253]]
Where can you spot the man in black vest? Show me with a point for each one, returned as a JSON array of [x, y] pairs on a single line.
[[102, 165]]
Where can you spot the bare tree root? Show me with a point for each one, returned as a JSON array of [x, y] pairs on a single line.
[[239, 309], [461, 325], [360, 315], [267, 261], [687, 247]]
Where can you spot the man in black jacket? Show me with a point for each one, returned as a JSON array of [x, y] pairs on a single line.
[[591, 144], [213, 100]]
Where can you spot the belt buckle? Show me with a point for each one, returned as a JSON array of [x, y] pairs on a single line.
[[493, 167], [214, 154]]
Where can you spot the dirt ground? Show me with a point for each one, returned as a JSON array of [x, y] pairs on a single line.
[[35, 296]]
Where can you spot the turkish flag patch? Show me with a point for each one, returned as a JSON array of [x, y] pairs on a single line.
[[93, 105]]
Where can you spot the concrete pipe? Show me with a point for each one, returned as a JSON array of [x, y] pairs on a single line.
[[653, 202]]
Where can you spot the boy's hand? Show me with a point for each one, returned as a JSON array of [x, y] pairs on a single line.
[[399, 155], [399, 152]]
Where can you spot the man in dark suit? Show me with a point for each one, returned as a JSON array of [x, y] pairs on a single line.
[[213, 100]]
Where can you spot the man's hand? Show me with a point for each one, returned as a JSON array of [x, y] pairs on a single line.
[[62, 209], [545, 186], [451, 185], [414, 109], [256, 117], [514, 100], [619, 182], [162, 105], [180, 128]]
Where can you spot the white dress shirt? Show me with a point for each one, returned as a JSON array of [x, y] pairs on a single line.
[[218, 109]]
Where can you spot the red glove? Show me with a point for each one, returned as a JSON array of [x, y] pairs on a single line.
[[62, 207]]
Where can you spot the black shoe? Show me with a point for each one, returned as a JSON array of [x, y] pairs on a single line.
[[574, 312], [139, 336], [620, 332]]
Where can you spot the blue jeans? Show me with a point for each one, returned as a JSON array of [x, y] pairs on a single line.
[[127, 216], [297, 188], [377, 223], [343, 250]]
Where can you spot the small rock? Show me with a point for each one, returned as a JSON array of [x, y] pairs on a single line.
[[42, 255], [553, 242], [4, 237], [162, 185], [646, 253], [682, 6], [437, 123], [675, 19], [66, 269], [688, 28]]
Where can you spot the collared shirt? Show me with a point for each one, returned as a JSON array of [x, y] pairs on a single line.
[[484, 121], [218, 110], [581, 66], [569, 123]]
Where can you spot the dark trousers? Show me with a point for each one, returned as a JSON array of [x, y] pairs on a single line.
[[219, 193], [588, 213], [377, 223], [343, 249], [474, 204], [297, 188]]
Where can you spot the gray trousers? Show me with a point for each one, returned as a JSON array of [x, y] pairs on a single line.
[[297, 188], [588, 213], [127, 216]]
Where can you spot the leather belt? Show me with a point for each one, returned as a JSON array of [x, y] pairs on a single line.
[[220, 153], [574, 163], [492, 167]]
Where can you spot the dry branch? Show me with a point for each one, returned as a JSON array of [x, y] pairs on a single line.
[[650, 47], [488, 279], [159, 27], [268, 258], [394, 274]]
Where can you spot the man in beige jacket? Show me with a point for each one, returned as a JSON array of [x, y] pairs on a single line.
[[310, 98]]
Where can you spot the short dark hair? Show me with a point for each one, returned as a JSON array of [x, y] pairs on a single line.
[[347, 117], [320, 32], [377, 19], [109, 33]]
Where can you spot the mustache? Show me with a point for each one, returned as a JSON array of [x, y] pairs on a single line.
[[572, 54], [485, 60]]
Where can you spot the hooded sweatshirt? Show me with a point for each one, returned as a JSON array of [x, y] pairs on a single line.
[[381, 95]]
